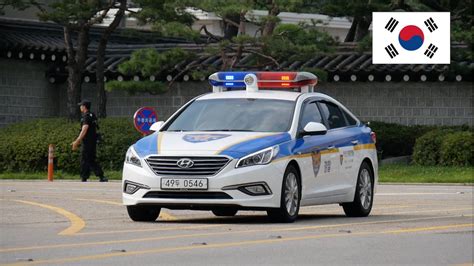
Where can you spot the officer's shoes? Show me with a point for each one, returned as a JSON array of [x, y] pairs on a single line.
[[103, 179]]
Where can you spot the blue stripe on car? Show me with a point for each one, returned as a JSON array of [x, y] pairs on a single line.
[[147, 145], [250, 146]]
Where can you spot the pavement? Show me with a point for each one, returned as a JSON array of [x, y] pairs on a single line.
[[74, 223]]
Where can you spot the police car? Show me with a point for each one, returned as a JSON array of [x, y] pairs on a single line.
[[254, 149]]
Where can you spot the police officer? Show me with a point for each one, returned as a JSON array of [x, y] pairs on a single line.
[[88, 136]]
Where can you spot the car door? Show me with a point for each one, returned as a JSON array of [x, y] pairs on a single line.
[[319, 180], [344, 136]]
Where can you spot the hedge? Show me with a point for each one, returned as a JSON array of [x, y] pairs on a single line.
[[428, 147], [445, 147], [24, 146], [457, 149], [397, 140]]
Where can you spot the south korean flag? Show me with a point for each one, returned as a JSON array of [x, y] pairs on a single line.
[[411, 38]]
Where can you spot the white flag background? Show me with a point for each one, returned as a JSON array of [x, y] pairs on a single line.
[[396, 38]]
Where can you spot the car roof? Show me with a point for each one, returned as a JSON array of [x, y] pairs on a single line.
[[261, 94]]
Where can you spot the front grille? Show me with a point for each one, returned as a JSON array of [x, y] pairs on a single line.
[[187, 195], [203, 166]]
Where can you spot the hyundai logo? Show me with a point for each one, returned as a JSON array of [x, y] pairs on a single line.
[[185, 163]]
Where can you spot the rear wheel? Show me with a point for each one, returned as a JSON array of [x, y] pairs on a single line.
[[225, 211], [364, 194], [143, 213], [290, 198]]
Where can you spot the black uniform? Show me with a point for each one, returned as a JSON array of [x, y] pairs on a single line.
[[89, 148]]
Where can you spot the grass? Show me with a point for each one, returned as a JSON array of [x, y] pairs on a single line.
[[396, 173], [426, 174], [111, 175]]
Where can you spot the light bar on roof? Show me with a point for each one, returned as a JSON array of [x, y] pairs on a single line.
[[275, 80], [228, 79]]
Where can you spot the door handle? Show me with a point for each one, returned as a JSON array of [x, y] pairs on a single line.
[[354, 142]]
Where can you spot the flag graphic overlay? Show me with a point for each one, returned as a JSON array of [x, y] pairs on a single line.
[[392, 52], [411, 38], [431, 25], [391, 24], [431, 50]]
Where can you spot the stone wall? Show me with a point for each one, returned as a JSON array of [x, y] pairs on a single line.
[[25, 94], [409, 103]]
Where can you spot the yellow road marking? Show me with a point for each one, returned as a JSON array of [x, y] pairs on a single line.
[[226, 233], [103, 201], [148, 230], [76, 222], [425, 211], [163, 215], [238, 243], [412, 230]]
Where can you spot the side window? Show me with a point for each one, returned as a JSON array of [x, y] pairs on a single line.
[[310, 114], [350, 119], [333, 115]]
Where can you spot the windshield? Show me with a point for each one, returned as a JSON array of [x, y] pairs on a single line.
[[261, 115]]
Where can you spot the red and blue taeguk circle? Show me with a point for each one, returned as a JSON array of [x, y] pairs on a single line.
[[411, 37]]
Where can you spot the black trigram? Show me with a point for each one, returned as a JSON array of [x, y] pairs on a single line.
[[391, 24], [431, 50], [430, 24], [392, 52]]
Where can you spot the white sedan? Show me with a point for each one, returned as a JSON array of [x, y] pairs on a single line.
[[254, 149]]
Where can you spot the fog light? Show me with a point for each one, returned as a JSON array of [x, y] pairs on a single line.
[[131, 187], [259, 189], [255, 190]]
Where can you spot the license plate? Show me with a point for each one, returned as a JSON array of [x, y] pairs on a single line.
[[184, 183]]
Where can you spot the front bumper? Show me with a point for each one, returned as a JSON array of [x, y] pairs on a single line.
[[271, 174]]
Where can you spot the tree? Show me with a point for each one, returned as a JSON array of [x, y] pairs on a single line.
[[76, 18], [274, 44], [100, 81]]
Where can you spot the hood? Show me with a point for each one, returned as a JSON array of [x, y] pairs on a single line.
[[233, 144]]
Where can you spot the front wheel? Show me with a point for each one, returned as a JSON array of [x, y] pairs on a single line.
[[364, 194], [143, 213], [290, 198]]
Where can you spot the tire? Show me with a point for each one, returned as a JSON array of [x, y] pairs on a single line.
[[364, 194], [290, 198], [225, 211], [143, 213]]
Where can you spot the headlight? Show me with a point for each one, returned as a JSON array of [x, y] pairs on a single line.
[[132, 158], [258, 158]]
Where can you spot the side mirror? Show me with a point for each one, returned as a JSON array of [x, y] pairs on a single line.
[[156, 126], [314, 128]]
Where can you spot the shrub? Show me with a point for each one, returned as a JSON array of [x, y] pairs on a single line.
[[427, 147], [457, 149], [24, 146], [395, 139]]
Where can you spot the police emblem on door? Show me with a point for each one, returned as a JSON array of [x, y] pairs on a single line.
[[316, 157]]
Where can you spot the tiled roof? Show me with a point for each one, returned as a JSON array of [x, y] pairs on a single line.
[[44, 41]]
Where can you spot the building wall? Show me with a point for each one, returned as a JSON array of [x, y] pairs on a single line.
[[26, 94]]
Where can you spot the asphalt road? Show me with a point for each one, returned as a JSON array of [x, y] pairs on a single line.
[[77, 223]]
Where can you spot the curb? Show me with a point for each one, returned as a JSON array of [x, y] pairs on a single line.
[[426, 184]]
